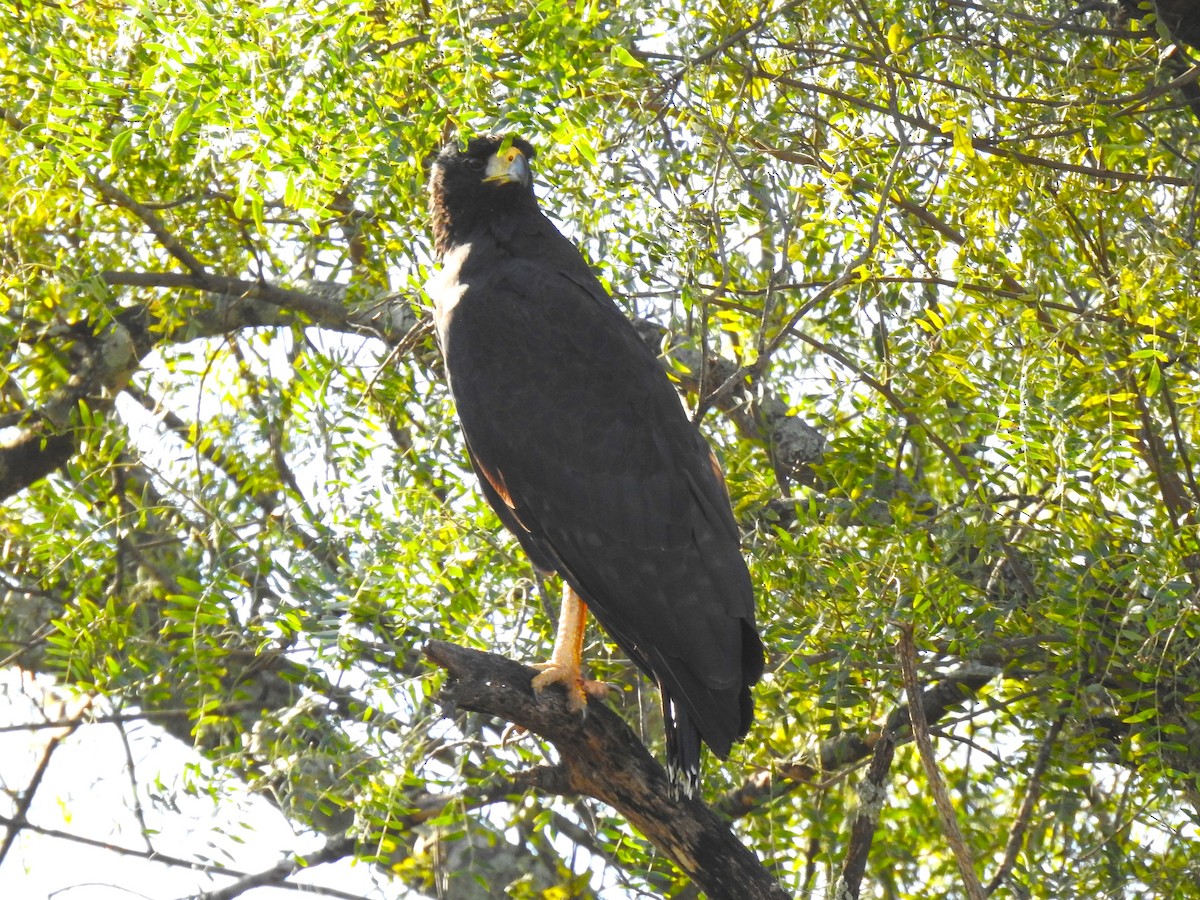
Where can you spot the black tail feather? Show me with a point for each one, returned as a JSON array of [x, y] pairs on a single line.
[[683, 746]]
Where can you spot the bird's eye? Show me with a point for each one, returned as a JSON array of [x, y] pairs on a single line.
[[474, 162]]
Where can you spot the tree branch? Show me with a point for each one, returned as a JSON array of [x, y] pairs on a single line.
[[1033, 790], [239, 302], [19, 818], [756, 413], [50, 434], [191, 865], [117, 197], [871, 795], [836, 756], [335, 848], [602, 758]]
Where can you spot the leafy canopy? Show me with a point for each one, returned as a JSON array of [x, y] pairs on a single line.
[[929, 269]]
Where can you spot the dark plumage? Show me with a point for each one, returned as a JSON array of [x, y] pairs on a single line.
[[584, 450]]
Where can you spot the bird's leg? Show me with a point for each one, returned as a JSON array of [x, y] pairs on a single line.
[[566, 660]]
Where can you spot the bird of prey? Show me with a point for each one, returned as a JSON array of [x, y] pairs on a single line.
[[586, 453]]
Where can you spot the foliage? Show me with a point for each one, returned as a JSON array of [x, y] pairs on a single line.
[[957, 239]]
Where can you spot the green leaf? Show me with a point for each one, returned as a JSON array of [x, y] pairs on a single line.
[[621, 56]]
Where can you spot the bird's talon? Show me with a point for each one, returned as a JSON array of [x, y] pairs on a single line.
[[570, 679], [598, 689]]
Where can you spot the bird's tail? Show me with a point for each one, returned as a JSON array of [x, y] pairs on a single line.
[[693, 713], [683, 745]]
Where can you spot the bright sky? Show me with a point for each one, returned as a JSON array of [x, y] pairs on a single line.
[[87, 791]]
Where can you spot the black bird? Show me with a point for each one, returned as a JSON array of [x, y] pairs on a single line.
[[585, 452]]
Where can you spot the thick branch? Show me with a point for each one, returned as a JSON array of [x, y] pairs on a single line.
[[51, 434], [238, 302], [602, 758], [31, 456]]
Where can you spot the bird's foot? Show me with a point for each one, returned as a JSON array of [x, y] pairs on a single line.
[[570, 677]]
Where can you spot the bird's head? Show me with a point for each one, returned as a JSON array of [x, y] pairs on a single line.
[[469, 185]]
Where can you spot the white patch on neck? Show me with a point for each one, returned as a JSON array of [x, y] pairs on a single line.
[[445, 288]]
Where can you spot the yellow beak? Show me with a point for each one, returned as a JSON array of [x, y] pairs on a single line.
[[509, 165]]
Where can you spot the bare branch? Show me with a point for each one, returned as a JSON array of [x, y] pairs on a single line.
[[180, 862], [335, 848], [118, 849], [19, 818]]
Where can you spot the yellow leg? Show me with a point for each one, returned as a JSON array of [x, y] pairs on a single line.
[[566, 660]]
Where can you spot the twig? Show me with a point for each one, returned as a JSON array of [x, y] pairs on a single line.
[[117, 197], [131, 770], [118, 849], [893, 399], [19, 819], [839, 756], [937, 786], [1016, 834], [849, 273]]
